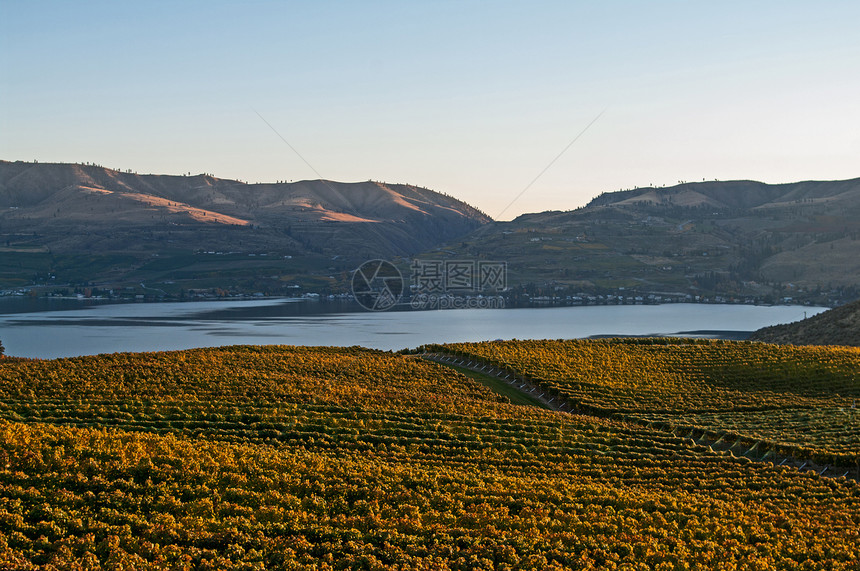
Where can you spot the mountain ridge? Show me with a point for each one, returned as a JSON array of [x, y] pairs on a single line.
[[70, 211], [725, 194], [28, 184], [731, 240]]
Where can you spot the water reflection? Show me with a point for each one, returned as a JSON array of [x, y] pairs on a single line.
[[101, 328]]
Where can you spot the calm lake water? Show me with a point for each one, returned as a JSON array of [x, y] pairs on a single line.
[[42, 329]]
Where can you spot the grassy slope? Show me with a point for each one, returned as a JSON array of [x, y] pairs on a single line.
[[839, 326], [497, 386]]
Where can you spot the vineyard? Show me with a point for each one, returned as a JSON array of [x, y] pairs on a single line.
[[799, 400], [327, 458]]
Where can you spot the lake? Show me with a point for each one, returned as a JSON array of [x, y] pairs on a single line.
[[66, 328]]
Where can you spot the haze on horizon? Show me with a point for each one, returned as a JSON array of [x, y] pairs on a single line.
[[472, 99]]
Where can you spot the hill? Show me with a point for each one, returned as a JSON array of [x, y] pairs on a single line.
[[735, 239], [68, 226], [345, 458], [838, 326], [741, 194], [76, 223]]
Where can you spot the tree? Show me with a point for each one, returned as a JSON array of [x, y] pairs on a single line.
[[1, 349]]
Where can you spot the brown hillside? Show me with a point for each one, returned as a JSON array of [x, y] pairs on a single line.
[[839, 326], [86, 208], [71, 225], [737, 194], [739, 240]]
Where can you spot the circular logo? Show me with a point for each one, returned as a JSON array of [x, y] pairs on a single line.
[[377, 285]]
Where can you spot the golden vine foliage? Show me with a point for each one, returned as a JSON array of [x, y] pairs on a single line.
[[295, 458], [682, 375], [803, 397]]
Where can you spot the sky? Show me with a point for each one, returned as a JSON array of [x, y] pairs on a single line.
[[512, 107]]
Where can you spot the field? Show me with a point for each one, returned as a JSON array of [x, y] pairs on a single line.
[[325, 458], [795, 400]]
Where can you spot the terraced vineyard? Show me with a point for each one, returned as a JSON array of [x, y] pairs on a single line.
[[322, 458], [798, 400]]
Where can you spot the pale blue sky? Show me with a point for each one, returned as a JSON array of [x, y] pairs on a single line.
[[469, 98]]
